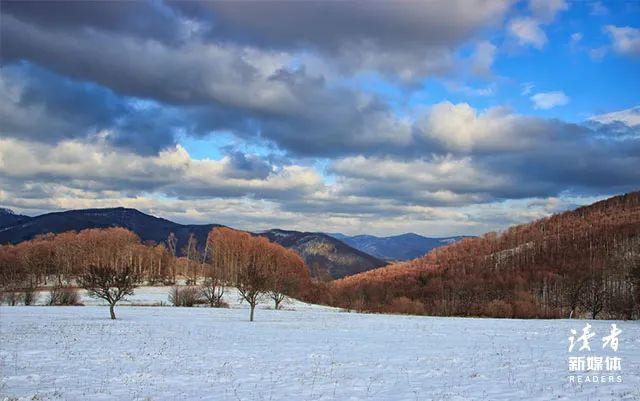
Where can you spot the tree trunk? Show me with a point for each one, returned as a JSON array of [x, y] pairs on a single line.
[[277, 302], [111, 311], [253, 306]]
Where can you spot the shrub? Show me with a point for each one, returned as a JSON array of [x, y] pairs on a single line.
[[11, 297], [59, 296], [498, 308], [212, 292], [30, 296], [185, 296], [406, 306], [524, 306]]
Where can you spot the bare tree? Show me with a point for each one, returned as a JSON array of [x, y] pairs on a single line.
[[190, 250], [212, 290], [593, 296], [109, 283], [253, 276], [172, 243], [30, 290], [573, 288], [288, 274]]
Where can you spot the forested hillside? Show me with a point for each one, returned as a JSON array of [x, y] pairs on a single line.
[[584, 262], [324, 255]]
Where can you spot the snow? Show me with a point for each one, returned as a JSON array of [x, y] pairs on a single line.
[[307, 352], [159, 296]]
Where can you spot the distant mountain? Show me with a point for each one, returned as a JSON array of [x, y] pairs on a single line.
[[145, 226], [321, 252], [325, 252], [9, 218], [397, 247]]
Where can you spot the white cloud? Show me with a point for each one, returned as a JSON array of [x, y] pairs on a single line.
[[483, 57], [576, 37], [598, 9], [461, 128], [549, 100], [527, 31], [546, 10], [98, 167], [598, 53], [625, 39], [630, 117], [527, 87]]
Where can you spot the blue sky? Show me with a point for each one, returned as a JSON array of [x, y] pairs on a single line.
[[439, 117]]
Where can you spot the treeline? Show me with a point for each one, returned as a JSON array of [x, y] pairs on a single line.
[[580, 263], [111, 261]]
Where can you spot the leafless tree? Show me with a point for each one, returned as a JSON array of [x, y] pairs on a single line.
[[190, 250], [212, 290], [109, 283], [172, 243], [593, 296]]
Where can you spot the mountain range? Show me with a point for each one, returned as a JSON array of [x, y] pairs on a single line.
[[323, 254], [395, 248]]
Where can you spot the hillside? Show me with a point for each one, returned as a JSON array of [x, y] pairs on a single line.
[[9, 218], [320, 252], [585, 261], [397, 247]]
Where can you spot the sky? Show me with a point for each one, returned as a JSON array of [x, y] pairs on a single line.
[[440, 117]]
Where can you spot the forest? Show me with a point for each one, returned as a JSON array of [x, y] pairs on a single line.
[[109, 263], [583, 263]]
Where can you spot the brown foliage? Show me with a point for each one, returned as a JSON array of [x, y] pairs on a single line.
[[58, 259], [255, 266], [580, 262]]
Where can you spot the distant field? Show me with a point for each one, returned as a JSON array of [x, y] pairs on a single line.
[[305, 353]]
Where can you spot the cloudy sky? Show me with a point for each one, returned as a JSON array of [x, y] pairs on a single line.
[[437, 117]]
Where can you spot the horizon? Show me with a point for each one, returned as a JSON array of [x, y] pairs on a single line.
[[213, 222], [362, 119]]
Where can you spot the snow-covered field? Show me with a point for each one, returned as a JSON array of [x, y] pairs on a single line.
[[304, 353]]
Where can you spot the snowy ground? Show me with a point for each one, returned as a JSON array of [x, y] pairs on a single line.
[[304, 353]]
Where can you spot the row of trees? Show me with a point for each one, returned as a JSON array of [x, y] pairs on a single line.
[[110, 263], [585, 262], [255, 266]]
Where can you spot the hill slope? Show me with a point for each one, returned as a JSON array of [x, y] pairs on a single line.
[[398, 247], [9, 218], [585, 261], [320, 252]]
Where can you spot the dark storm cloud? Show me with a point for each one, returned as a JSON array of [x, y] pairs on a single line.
[[401, 42], [296, 111], [330, 24], [40, 105], [43, 106], [139, 18], [246, 166]]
